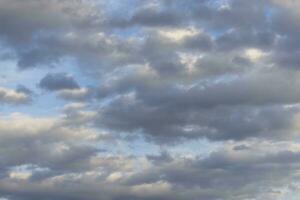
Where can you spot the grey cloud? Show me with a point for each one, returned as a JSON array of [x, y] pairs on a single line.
[[58, 81], [199, 81], [24, 89], [247, 106], [20, 21], [155, 50], [169, 124], [95, 52], [221, 172], [224, 174], [61, 145], [164, 157], [79, 94], [243, 15], [24, 25], [241, 147], [151, 17], [239, 39], [250, 29], [200, 41], [220, 64]]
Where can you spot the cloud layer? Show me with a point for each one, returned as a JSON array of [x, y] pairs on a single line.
[[159, 99]]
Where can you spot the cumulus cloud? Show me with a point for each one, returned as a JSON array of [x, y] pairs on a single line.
[[46, 142], [194, 99], [75, 94], [233, 174], [58, 81], [11, 96]]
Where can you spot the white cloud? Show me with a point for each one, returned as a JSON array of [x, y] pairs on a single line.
[[12, 96]]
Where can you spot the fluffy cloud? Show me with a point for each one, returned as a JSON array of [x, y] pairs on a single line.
[[75, 93], [13, 96], [58, 81], [226, 174], [155, 76]]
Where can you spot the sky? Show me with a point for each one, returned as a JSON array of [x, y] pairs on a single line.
[[149, 100]]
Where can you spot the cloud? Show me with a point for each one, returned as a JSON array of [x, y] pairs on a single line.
[[11, 96], [75, 94], [46, 142], [233, 174], [247, 106], [161, 99], [58, 81], [43, 15]]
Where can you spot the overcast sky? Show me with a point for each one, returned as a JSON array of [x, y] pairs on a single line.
[[149, 99]]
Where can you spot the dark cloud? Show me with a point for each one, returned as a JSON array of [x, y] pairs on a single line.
[[58, 81], [239, 39], [159, 159], [247, 106], [151, 17], [20, 21], [241, 147], [24, 89], [199, 42], [222, 123]]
